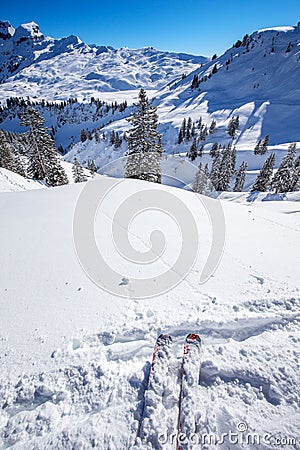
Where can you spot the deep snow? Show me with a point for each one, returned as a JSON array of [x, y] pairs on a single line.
[[74, 359]]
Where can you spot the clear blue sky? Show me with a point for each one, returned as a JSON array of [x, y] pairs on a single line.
[[199, 27]]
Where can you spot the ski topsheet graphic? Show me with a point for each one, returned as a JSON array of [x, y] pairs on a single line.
[[167, 417]]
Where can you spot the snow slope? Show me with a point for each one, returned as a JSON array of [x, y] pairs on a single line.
[[258, 80], [12, 182], [56, 69], [75, 359]]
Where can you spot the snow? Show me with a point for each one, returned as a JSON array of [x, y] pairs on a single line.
[[12, 182], [57, 69], [75, 358], [280, 29]]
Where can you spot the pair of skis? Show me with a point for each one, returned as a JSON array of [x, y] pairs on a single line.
[[160, 389]]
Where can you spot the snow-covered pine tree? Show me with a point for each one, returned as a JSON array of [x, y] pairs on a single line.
[[193, 151], [83, 135], [233, 126], [212, 127], [283, 180], [233, 159], [183, 128], [78, 172], [44, 160], [296, 175], [6, 157], [112, 138], [203, 132], [226, 169], [195, 82], [118, 140], [92, 167], [257, 147], [214, 150], [180, 136], [215, 171], [201, 182], [264, 144], [263, 180], [144, 143], [189, 129], [240, 177]]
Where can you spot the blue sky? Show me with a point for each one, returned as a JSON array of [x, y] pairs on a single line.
[[199, 27]]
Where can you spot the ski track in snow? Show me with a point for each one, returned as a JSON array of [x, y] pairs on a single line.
[[106, 373]]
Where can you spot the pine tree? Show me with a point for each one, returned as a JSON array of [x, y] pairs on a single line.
[[180, 136], [240, 177], [214, 69], [193, 151], [233, 126], [78, 172], [183, 128], [189, 128], [112, 138], [215, 171], [264, 144], [214, 150], [233, 159], [61, 149], [92, 167], [226, 169], [283, 180], [203, 132], [201, 182], [296, 175], [263, 180], [212, 127], [201, 151], [83, 135], [144, 143], [118, 140], [195, 82], [44, 160], [6, 157], [257, 148]]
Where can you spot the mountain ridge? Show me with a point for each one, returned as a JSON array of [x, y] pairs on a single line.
[[76, 68]]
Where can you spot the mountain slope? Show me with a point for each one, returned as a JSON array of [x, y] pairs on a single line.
[[257, 79], [37, 66]]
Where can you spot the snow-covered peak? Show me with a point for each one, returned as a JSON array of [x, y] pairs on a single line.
[[6, 29], [28, 30], [280, 29]]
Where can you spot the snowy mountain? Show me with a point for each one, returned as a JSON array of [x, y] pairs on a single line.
[[75, 359], [56, 69], [257, 79]]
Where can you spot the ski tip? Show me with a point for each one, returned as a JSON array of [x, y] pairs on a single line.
[[164, 339], [193, 338]]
